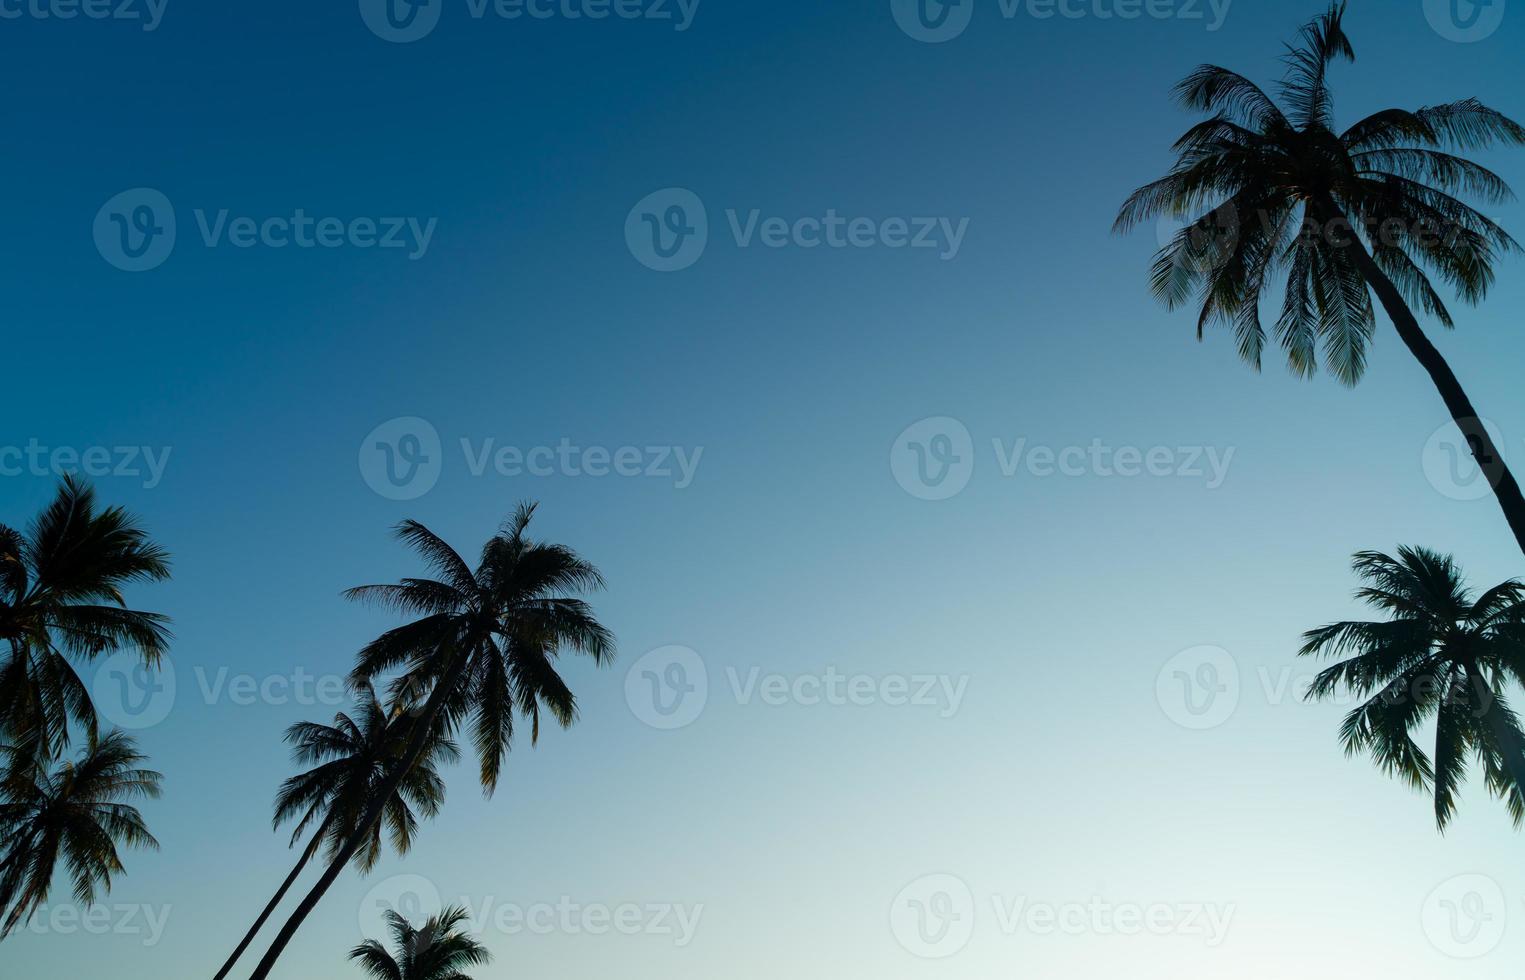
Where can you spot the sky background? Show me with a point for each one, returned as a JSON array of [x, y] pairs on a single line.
[[1069, 772]]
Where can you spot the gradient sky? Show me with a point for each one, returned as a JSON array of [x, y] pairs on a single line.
[[1054, 604]]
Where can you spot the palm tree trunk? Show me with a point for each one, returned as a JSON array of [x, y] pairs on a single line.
[[423, 729], [1505, 488], [1509, 743], [259, 923]]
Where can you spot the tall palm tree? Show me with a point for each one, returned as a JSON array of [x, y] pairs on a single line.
[[61, 603], [1442, 653], [1273, 193], [440, 950], [350, 761], [77, 812], [484, 647]]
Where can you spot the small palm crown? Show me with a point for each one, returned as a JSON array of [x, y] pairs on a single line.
[[79, 812], [1268, 190], [1443, 654], [61, 604], [440, 949]]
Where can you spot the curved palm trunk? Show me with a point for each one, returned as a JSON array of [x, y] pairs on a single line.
[[420, 739], [1505, 488], [1509, 744], [264, 916]]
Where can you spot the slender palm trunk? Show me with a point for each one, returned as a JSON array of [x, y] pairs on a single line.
[[312, 848], [1505, 488], [423, 728], [1508, 738]]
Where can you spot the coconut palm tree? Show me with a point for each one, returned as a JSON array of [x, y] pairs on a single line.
[[1442, 653], [61, 604], [1273, 193], [350, 760], [483, 649], [440, 950], [78, 812]]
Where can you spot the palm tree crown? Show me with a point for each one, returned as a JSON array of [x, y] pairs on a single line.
[[1443, 653], [1264, 188], [351, 759], [61, 601], [502, 625], [439, 950], [352, 763], [77, 812], [484, 648]]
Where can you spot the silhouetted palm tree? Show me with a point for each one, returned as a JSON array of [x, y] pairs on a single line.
[[440, 950], [61, 602], [1442, 653], [351, 760], [1271, 192], [77, 813], [484, 647]]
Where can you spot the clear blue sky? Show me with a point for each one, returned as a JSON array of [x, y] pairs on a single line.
[[794, 550]]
